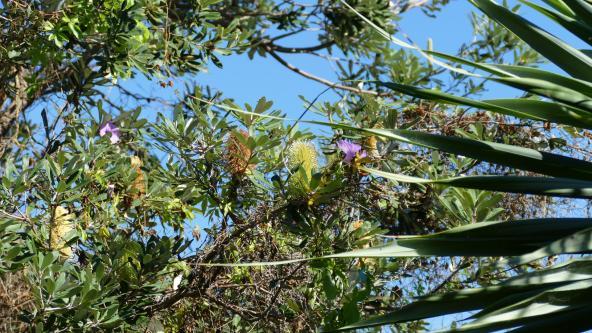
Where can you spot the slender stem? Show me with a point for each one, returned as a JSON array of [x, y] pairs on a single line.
[[320, 79]]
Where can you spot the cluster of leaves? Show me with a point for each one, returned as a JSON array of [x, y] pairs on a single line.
[[112, 221]]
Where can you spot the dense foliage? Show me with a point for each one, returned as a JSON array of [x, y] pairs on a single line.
[[205, 215]]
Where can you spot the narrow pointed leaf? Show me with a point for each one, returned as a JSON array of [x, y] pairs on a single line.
[[436, 95], [581, 30], [552, 301], [508, 292], [581, 9], [553, 112], [550, 90], [514, 184], [521, 108], [563, 55], [579, 242], [508, 155], [440, 305], [502, 70], [560, 6], [578, 320]]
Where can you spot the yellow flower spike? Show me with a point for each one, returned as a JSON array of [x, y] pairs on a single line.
[[139, 183], [304, 153], [357, 225], [60, 226], [302, 156]]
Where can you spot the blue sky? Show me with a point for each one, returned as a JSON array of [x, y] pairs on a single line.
[[248, 80]]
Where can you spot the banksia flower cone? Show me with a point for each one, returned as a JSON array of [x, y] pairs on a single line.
[[60, 226], [302, 161], [237, 153], [370, 146], [138, 185]]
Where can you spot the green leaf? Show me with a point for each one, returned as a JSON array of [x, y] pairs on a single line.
[[553, 112], [580, 29], [550, 90], [521, 108], [552, 301], [508, 155], [581, 8], [578, 242], [508, 292], [563, 55], [454, 302], [502, 70], [514, 184]]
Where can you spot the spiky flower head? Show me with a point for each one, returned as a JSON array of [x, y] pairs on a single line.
[[303, 153], [302, 160], [138, 185], [237, 153], [60, 226]]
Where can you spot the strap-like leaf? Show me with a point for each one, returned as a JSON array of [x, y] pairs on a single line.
[[521, 108], [580, 29], [563, 55], [581, 9], [550, 90], [501, 70], [508, 155], [455, 302], [549, 302], [515, 184], [509, 292], [575, 319], [579, 242], [561, 114]]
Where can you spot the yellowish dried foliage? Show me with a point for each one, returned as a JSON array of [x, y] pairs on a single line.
[[61, 225]]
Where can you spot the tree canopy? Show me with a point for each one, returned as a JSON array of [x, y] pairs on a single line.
[[406, 198]]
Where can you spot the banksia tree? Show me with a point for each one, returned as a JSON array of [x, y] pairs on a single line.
[[302, 161]]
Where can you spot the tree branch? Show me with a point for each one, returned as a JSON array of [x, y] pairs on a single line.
[[320, 79], [283, 49]]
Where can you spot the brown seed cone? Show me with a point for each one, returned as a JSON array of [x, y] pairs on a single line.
[[237, 153]]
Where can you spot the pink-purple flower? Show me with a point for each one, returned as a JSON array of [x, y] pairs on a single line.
[[109, 127], [351, 150]]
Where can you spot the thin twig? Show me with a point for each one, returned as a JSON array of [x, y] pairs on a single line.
[[320, 79]]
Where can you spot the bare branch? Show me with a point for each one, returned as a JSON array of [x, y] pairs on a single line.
[[320, 79]]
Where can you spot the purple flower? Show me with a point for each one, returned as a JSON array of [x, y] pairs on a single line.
[[351, 150], [109, 127]]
